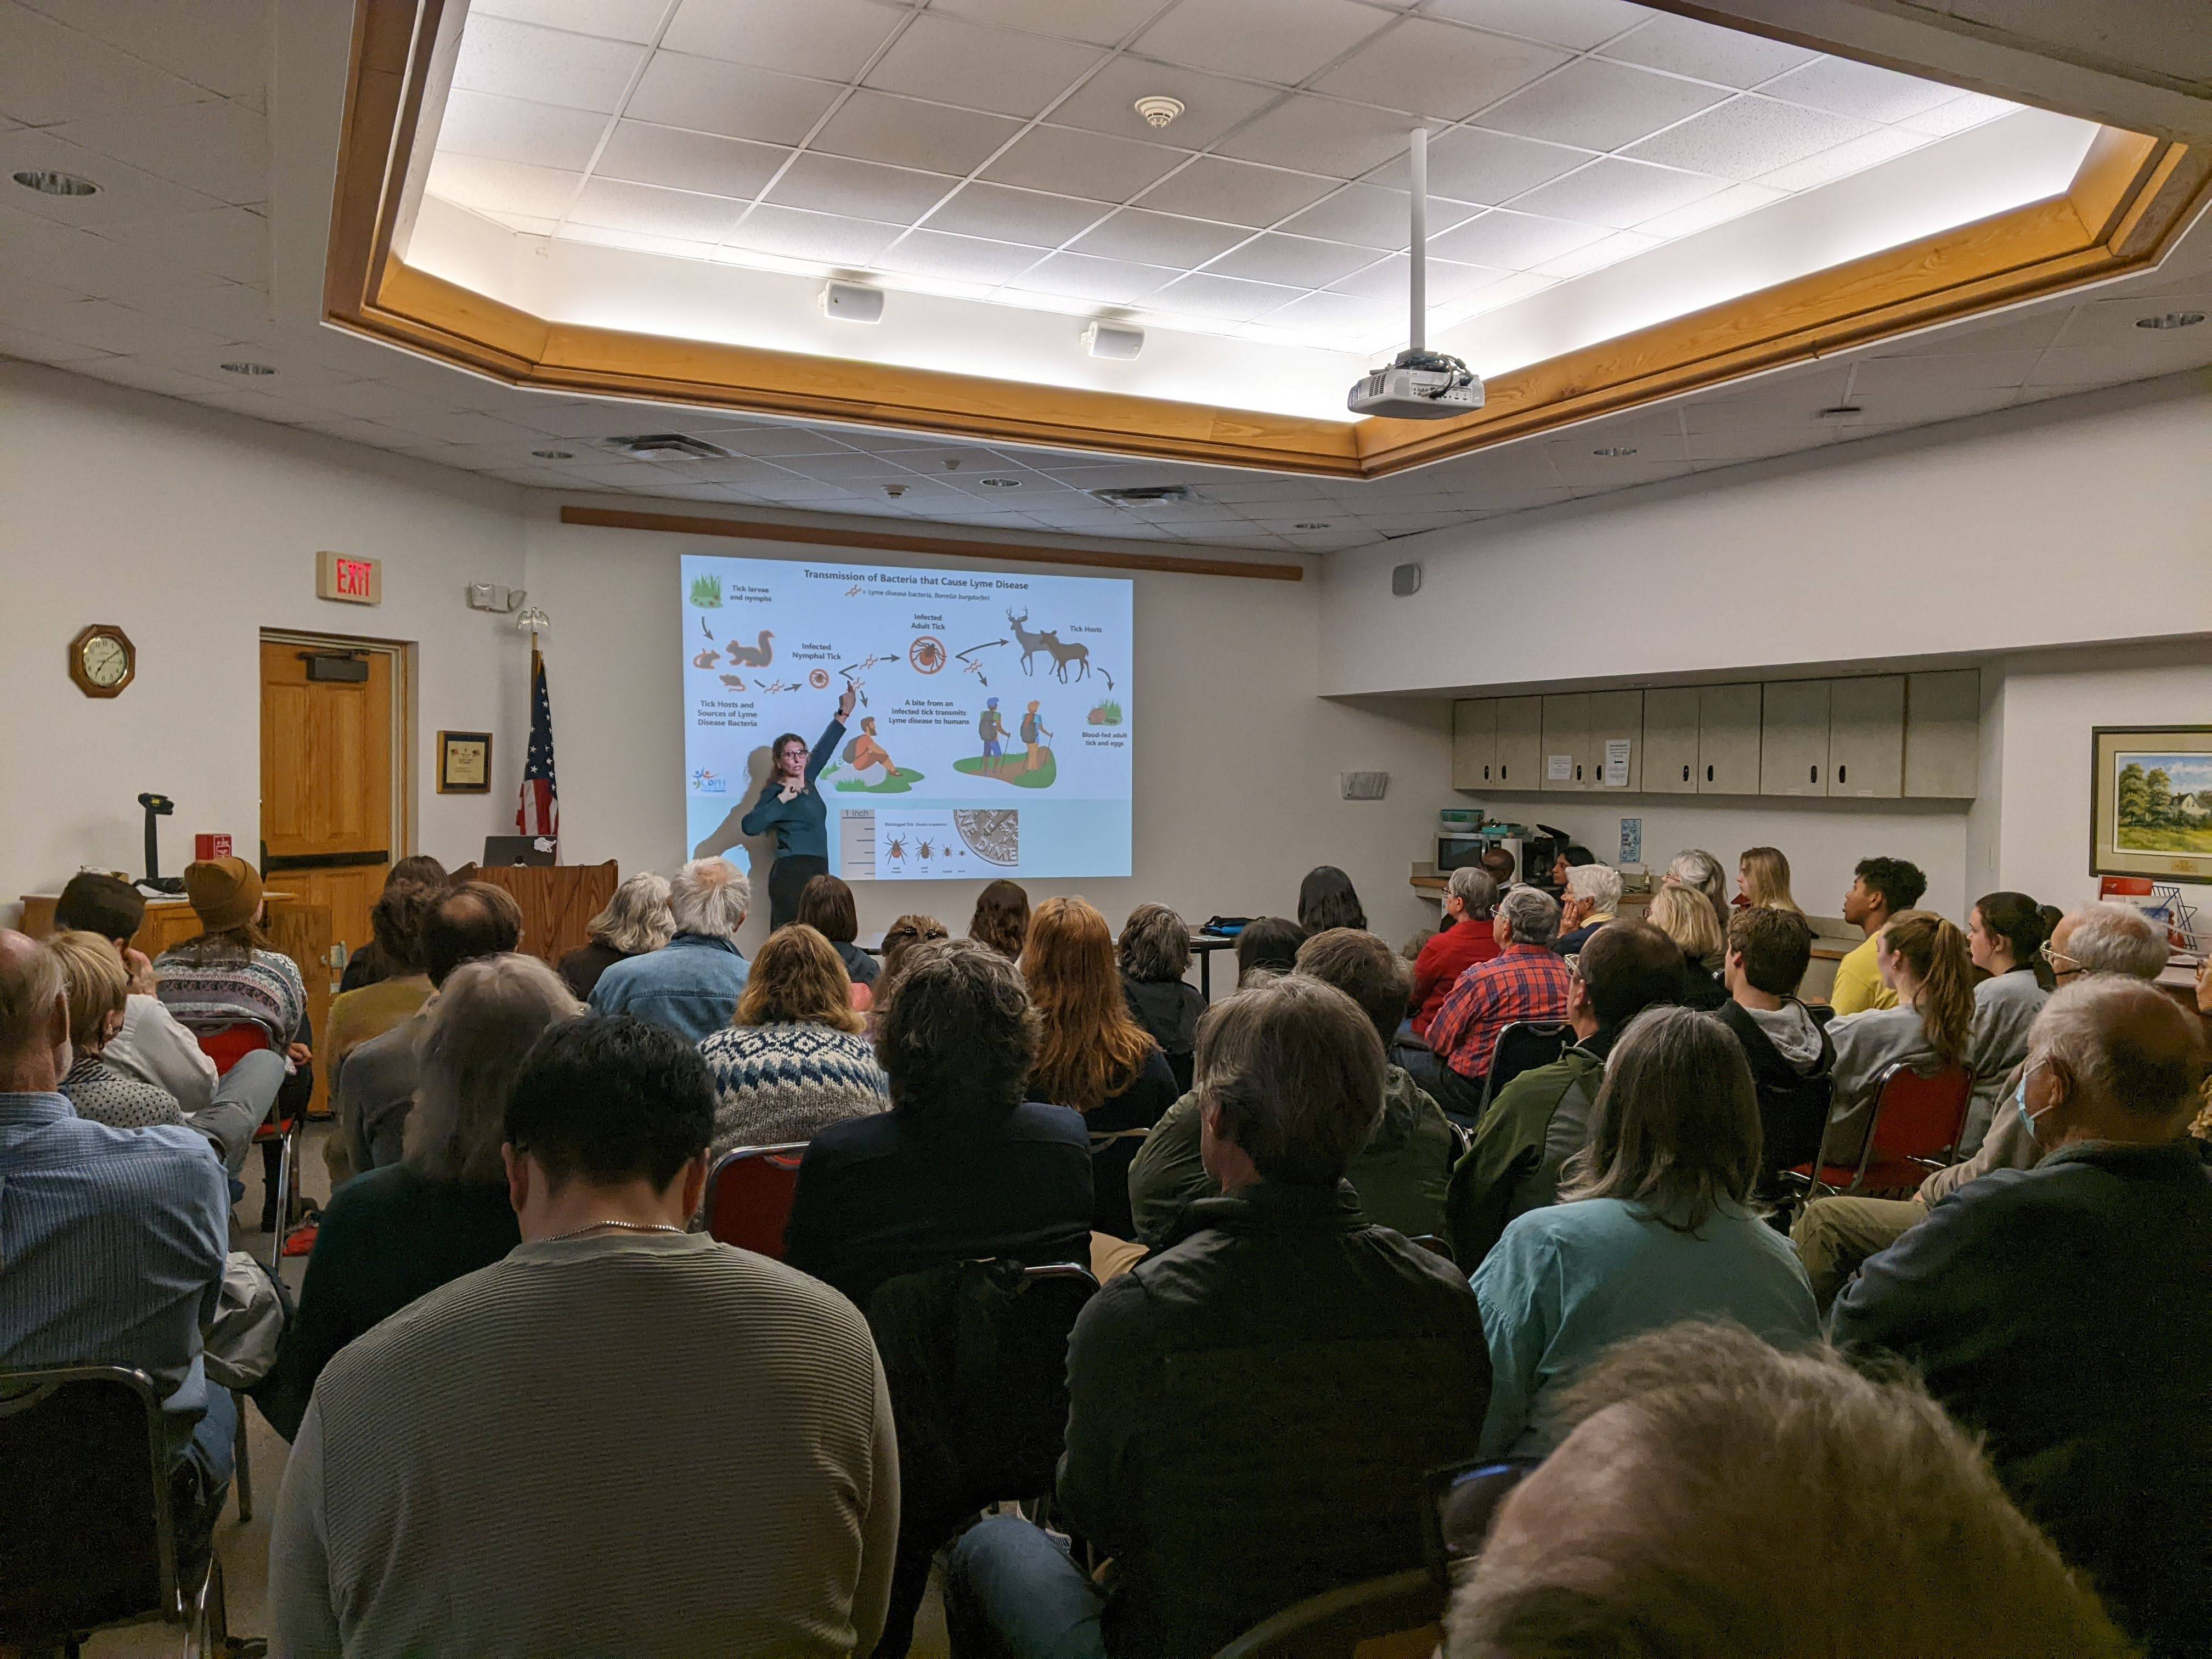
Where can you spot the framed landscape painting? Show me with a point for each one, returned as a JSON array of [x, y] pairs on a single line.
[[2151, 802]]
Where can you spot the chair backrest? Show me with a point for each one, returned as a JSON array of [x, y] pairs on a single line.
[[226, 1045], [1393, 1618], [1918, 1116], [1522, 1047], [749, 1196], [86, 1534]]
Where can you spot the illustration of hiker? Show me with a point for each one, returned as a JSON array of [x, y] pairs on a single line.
[[992, 730], [867, 757], [1032, 730]]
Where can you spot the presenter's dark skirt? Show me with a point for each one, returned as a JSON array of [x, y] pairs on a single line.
[[786, 879]]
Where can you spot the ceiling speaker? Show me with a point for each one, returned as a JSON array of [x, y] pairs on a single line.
[[1405, 580]]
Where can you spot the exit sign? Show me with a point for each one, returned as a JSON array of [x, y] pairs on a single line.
[[354, 581]]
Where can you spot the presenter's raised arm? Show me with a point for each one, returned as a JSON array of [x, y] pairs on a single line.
[[827, 745]]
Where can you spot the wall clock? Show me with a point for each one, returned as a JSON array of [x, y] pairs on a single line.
[[102, 660]]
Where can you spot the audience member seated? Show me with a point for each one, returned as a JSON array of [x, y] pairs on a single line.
[[1091, 1055], [98, 986], [1527, 980], [1762, 878], [399, 991], [960, 1167], [1592, 899], [1570, 858], [398, 1232], [1001, 919], [1470, 901], [1266, 947], [111, 1241], [1922, 959], [2064, 1313], [1542, 1118], [1835, 1235], [227, 975], [1656, 1222], [151, 1046], [1154, 952], [1250, 1412], [826, 905], [499, 1470], [1696, 867], [373, 1092], [1881, 888], [1497, 865], [1685, 914], [1715, 1497], [1792, 1057], [690, 985], [368, 964], [2004, 936], [795, 1060], [1327, 900], [902, 935], [1400, 1174], [635, 922]]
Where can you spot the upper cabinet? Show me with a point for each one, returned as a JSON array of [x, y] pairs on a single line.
[[1670, 740], [1566, 742], [1866, 738], [1793, 738], [1943, 735], [1616, 718], [1474, 743], [1519, 743], [1727, 739]]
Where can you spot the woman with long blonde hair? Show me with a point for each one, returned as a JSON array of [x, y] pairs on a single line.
[[1926, 960], [1682, 911], [1091, 1055], [1762, 877], [792, 1061]]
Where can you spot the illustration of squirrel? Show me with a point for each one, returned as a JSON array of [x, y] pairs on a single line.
[[746, 656]]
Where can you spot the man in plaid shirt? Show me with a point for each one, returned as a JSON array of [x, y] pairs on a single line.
[[1527, 980]]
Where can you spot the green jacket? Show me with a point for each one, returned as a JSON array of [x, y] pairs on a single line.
[[1537, 1122], [1399, 1175]]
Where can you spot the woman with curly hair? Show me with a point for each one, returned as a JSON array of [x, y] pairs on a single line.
[[792, 1061], [1002, 918], [1154, 950]]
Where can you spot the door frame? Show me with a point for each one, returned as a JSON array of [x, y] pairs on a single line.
[[404, 814]]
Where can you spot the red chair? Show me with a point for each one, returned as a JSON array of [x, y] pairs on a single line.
[[226, 1045], [749, 1194], [1918, 1120]]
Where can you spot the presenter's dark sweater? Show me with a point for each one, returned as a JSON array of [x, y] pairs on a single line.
[[801, 823]]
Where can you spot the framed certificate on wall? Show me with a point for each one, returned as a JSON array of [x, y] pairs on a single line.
[[463, 762]]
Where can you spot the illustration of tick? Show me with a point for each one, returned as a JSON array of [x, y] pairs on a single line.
[[924, 851], [897, 849]]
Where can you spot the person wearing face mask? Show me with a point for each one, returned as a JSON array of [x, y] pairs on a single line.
[[2064, 1313]]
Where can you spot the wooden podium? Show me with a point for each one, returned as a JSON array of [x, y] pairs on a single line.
[[558, 901]]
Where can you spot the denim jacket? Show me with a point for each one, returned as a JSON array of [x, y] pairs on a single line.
[[690, 985]]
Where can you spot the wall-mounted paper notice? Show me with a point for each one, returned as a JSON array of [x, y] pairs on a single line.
[[1616, 762], [1559, 768]]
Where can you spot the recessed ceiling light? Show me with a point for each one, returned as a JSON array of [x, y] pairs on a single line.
[[1615, 452], [55, 184], [247, 368], [894, 490], [1159, 110], [1834, 411], [554, 454], [2167, 320], [1318, 524], [1001, 484]]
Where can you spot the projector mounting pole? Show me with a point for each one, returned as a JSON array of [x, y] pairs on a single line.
[[1417, 331]]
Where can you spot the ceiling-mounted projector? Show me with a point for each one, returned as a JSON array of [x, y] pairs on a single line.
[[1418, 385]]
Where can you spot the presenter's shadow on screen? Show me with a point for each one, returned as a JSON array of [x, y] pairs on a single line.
[[729, 832]]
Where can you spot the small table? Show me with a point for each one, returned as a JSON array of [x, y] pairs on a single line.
[[1203, 945]]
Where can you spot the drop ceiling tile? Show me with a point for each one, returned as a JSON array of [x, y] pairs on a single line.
[[818, 236], [1102, 22], [489, 186], [963, 258], [1299, 261], [860, 190], [1506, 241], [640, 153], [1106, 282], [229, 241], [686, 215], [1344, 315], [1279, 40], [1683, 46], [2019, 331], [232, 308], [1472, 164], [1225, 299], [1160, 239], [1235, 191], [1434, 69], [107, 326], [1600, 105], [1374, 218], [1596, 256], [1970, 110], [732, 98], [1844, 88], [218, 148], [881, 127], [1007, 215], [1320, 135], [645, 242], [832, 39], [1620, 193], [1962, 371], [1840, 162], [1071, 163], [1388, 279], [37, 347], [1714, 210], [125, 191], [1212, 105], [615, 20], [988, 69], [1577, 25], [517, 60], [2114, 323], [50, 73], [1748, 136], [515, 130], [1889, 410]]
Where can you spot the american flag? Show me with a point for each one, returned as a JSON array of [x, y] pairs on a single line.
[[539, 812]]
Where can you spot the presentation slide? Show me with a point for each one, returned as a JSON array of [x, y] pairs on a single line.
[[993, 732]]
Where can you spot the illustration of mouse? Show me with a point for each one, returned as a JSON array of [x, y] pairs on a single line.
[[734, 682], [706, 658]]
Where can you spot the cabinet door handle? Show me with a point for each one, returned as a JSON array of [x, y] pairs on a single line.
[[1815, 776], [1501, 771], [1578, 775], [1685, 774], [1709, 775], [1843, 774]]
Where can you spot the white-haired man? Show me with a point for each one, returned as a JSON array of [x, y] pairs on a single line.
[[692, 984], [1528, 980], [1592, 899], [1835, 1235]]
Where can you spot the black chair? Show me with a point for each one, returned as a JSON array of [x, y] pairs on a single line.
[[87, 1532], [1522, 1047]]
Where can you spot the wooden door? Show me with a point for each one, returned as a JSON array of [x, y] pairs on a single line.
[[1793, 738], [326, 818], [1670, 740], [1616, 717], [1521, 743], [1866, 736], [1567, 741], [1474, 743], [1727, 739]]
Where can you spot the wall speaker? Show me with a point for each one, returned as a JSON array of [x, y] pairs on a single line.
[[1405, 580]]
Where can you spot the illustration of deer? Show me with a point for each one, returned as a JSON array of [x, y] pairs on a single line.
[[1065, 651], [1030, 643], [748, 656]]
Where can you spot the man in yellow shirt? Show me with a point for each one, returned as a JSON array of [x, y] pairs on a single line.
[[1880, 888]]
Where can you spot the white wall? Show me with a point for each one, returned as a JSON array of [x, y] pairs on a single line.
[[193, 530], [1236, 758]]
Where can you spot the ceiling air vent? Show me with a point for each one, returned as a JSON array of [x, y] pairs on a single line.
[[1138, 495], [668, 447]]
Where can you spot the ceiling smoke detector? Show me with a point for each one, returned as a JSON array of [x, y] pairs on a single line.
[[1138, 495], [2165, 320], [48, 183], [1158, 110], [668, 447], [894, 490]]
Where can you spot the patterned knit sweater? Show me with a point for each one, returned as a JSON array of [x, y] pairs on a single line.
[[101, 1094], [781, 1082], [266, 989]]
